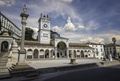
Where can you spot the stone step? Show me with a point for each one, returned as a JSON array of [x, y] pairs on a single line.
[[3, 67], [3, 61], [2, 64], [4, 75], [4, 58], [24, 70], [4, 71]]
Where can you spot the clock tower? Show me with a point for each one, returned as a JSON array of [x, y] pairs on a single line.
[[44, 29]]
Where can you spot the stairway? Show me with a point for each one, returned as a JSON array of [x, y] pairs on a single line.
[[4, 72]]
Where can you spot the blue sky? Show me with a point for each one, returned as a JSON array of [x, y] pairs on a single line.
[[90, 20]]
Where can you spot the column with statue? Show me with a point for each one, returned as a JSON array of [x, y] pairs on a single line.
[[114, 42], [22, 52]]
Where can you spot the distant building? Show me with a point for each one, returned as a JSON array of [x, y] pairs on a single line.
[[109, 49], [98, 48]]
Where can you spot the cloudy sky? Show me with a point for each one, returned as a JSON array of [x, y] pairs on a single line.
[[78, 20]]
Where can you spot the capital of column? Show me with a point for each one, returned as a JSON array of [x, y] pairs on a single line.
[[24, 15]]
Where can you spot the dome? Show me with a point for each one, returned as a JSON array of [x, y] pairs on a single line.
[[54, 35]]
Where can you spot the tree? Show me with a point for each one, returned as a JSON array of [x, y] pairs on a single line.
[[29, 34]]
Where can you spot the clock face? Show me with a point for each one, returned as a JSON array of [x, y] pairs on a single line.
[[45, 25]]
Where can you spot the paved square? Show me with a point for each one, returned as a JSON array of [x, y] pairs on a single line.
[[56, 63]]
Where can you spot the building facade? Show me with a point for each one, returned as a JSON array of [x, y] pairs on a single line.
[[98, 48], [50, 45], [109, 49], [7, 25]]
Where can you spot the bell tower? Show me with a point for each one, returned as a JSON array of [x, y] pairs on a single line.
[[44, 29]]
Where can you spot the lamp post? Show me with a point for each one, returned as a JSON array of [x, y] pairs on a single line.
[[114, 42]]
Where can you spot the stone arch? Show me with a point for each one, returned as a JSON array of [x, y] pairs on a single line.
[[46, 53], [89, 53], [78, 53], [82, 53], [70, 53], [61, 49], [4, 46], [85, 53], [74, 53], [35, 53], [42, 54], [29, 54]]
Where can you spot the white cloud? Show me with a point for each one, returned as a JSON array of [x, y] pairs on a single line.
[[57, 29], [81, 27], [69, 26], [55, 7], [7, 2], [92, 25], [98, 40], [69, 1], [92, 39]]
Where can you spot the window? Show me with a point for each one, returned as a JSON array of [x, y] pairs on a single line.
[[110, 48]]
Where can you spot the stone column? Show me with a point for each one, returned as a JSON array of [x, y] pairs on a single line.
[[32, 54], [22, 51], [38, 54], [0, 48], [49, 54], [67, 52], [55, 52], [72, 54], [114, 42]]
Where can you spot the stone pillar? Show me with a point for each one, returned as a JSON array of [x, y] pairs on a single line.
[[49, 54], [72, 54], [55, 52], [32, 54], [22, 51], [67, 52], [38, 54], [0, 48]]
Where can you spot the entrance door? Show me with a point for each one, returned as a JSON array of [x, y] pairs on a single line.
[[4, 46]]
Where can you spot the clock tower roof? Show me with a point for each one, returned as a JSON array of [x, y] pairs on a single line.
[[45, 17]]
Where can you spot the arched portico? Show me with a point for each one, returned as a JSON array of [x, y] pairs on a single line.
[[35, 53], [61, 50], [47, 53], [78, 53], [29, 54], [82, 53], [41, 54]]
